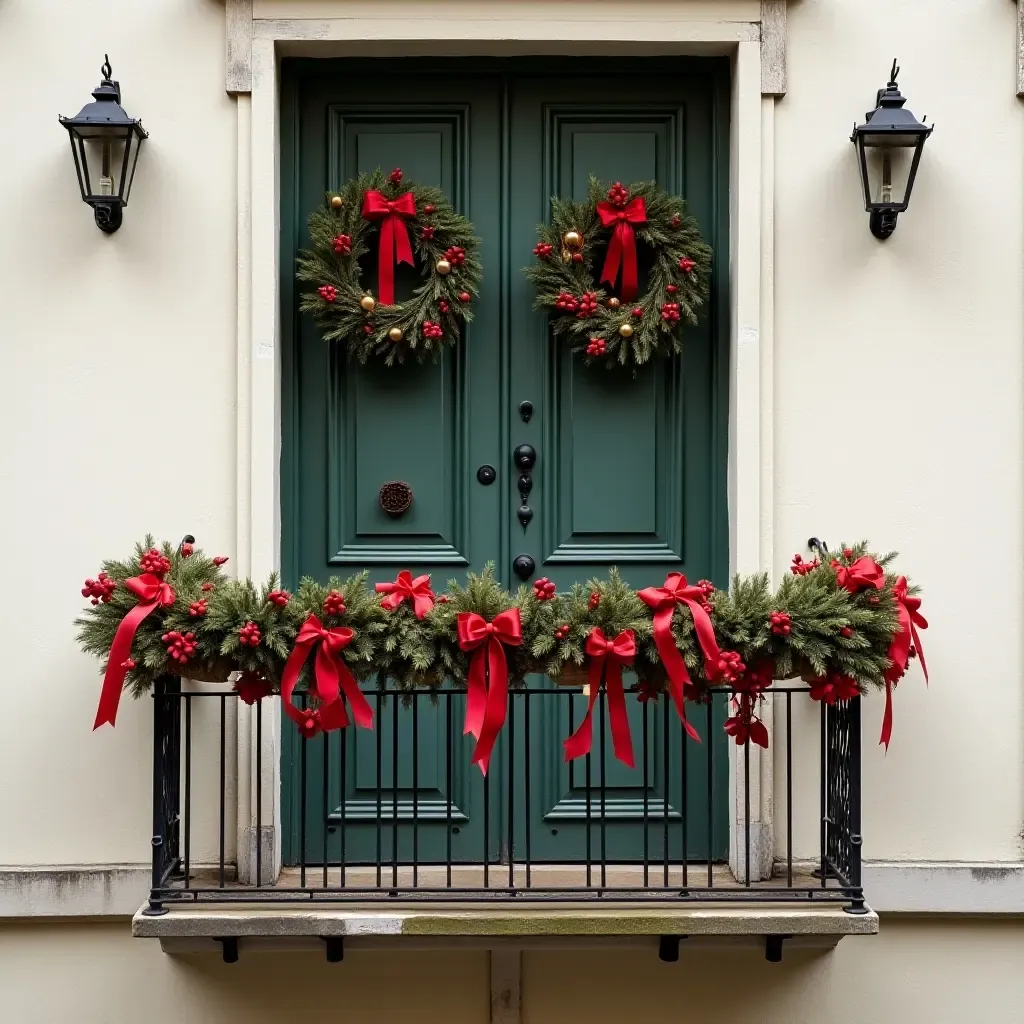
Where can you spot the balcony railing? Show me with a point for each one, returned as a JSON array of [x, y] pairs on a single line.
[[381, 840]]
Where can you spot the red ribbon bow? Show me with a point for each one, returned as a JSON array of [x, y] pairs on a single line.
[[487, 683], [331, 678], [606, 659], [865, 573], [910, 617], [152, 593], [395, 246], [622, 247], [405, 588], [664, 600]]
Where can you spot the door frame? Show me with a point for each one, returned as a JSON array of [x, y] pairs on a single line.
[[758, 77]]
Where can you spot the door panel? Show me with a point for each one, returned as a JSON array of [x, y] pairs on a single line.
[[630, 468]]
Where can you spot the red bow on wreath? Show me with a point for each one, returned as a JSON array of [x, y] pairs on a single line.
[[606, 659], [663, 601], [405, 588], [910, 618], [622, 247], [864, 574], [331, 678], [487, 683], [395, 246], [152, 593]]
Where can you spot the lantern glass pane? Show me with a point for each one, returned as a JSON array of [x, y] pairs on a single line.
[[888, 171], [105, 164]]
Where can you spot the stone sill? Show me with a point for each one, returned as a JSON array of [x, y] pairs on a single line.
[[265, 926]]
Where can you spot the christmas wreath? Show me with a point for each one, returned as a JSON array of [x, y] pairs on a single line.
[[842, 625], [410, 218], [618, 324]]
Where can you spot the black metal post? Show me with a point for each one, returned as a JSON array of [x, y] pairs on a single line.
[[857, 904], [156, 907]]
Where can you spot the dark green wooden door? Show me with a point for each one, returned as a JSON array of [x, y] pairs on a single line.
[[630, 470]]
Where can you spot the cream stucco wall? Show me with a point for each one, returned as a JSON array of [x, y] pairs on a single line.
[[897, 377], [941, 973]]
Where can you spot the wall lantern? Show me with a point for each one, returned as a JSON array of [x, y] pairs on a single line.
[[889, 146], [105, 143]]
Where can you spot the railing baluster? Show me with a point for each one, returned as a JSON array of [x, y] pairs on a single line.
[[415, 790], [487, 831], [647, 796], [746, 812], [378, 739], [528, 809], [572, 729], [789, 789], [510, 839], [394, 791], [856, 840], [188, 787], [343, 798], [684, 802], [259, 792], [709, 707], [665, 773], [449, 796], [223, 782], [302, 801], [823, 835], [604, 808], [326, 798]]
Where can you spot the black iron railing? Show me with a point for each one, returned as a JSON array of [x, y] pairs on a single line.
[[375, 820]]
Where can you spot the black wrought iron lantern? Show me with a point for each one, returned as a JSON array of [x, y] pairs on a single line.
[[105, 143], [889, 146]]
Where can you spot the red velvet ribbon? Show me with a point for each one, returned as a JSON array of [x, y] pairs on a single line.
[[908, 610], [331, 678], [152, 593], [395, 246], [606, 659], [622, 247], [487, 683], [405, 588], [664, 600]]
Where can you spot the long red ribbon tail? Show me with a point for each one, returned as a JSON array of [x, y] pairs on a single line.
[[582, 740], [705, 635], [290, 676], [395, 248], [918, 648], [622, 742], [887, 717], [357, 702], [120, 651], [496, 708], [675, 667], [476, 694]]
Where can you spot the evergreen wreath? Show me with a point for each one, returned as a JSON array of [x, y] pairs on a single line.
[[616, 324], [413, 219]]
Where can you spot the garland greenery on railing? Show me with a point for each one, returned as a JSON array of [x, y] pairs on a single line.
[[844, 625]]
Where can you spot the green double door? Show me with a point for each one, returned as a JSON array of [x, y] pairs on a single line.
[[630, 470]]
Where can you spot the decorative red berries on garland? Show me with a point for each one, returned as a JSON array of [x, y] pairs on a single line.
[[156, 563], [334, 603], [618, 194], [428, 208], [587, 305], [428, 232], [342, 244], [100, 590], [455, 255], [199, 608], [671, 288], [206, 587], [834, 687], [675, 222], [686, 265], [745, 726], [327, 292], [128, 664], [432, 330], [595, 599], [464, 297], [443, 306], [395, 177], [543, 250], [251, 687], [730, 666], [566, 302], [780, 623], [219, 560], [847, 632], [802, 568], [670, 311], [597, 347], [544, 589], [249, 635], [186, 549], [180, 647], [279, 597], [562, 631]]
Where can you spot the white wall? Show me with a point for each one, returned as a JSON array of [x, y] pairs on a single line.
[[898, 386]]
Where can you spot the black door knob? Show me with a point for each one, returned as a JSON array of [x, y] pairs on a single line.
[[523, 566], [525, 456]]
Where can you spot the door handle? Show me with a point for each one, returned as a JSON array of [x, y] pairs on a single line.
[[524, 566], [524, 459]]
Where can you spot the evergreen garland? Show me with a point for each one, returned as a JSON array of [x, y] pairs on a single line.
[[585, 314], [340, 237]]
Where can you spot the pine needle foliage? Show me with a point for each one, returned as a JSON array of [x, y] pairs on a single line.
[[365, 334], [407, 654], [669, 234]]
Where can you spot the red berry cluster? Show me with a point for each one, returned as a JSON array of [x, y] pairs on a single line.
[[745, 726], [128, 664], [597, 347], [848, 632], [443, 306], [757, 678], [279, 597], [428, 208], [249, 635], [432, 330], [670, 311], [638, 311], [587, 305], [802, 568], [455, 255], [595, 599], [198, 608], [368, 328], [100, 589], [443, 599], [187, 549], [251, 686], [395, 177], [219, 560], [543, 250], [428, 232], [566, 302], [834, 687], [562, 631], [544, 589], [206, 587], [342, 244], [686, 265], [577, 257], [781, 623], [671, 288], [675, 221], [328, 292], [707, 589], [154, 562], [730, 666], [334, 603], [618, 194], [180, 647], [464, 297]]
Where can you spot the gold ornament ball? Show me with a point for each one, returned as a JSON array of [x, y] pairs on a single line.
[[626, 330], [572, 239], [368, 302], [337, 202], [443, 267], [395, 334], [613, 303]]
